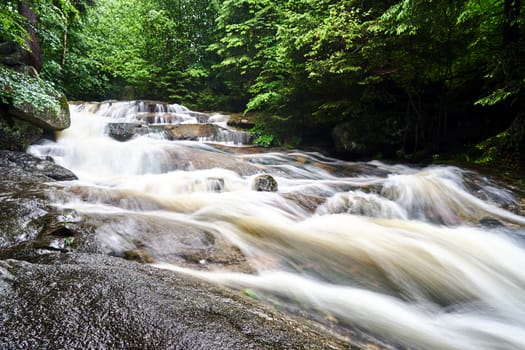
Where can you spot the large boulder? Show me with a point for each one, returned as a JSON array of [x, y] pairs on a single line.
[[27, 97], [52, 116], [124, 131]]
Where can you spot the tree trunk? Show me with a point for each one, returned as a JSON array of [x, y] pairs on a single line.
[[33, 56], [64, 46]]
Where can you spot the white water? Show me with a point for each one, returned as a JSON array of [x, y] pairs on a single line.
[[394, 251]]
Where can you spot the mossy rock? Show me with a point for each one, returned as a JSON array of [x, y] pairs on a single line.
[[16, 134], [33, 100]]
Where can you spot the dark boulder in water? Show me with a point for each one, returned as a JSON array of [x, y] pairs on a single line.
[[264, 183], [125, 131]]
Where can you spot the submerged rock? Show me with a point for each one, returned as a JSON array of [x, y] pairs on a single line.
[[86, 301], [490, 222]]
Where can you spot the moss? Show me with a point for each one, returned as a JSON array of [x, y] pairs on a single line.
[[18, 89]]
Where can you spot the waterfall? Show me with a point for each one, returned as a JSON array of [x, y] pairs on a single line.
[[419, 258]]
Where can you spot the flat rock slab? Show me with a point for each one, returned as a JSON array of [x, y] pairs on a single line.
[[91, 301]]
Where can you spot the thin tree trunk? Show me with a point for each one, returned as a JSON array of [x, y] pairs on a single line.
[[64, 46]]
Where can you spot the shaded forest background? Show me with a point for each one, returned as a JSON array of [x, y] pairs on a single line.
[[405, 79]]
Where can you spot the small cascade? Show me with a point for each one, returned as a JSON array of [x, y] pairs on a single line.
[[128, 119]]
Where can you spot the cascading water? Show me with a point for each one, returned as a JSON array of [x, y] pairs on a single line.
[[421, 258]]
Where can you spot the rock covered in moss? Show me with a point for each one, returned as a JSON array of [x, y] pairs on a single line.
[[32, 99]]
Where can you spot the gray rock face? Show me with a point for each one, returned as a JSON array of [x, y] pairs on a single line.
[[84, 301], [16, 165]]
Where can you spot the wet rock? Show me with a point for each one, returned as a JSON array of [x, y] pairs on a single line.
[[199, 158], [17, 164], [24, 205], [308, 202], [264, 183], [144, 239], [16, 134], [125, 131], [191, 131], [138, 255], [490, 222], [85, 301], [215, 184]]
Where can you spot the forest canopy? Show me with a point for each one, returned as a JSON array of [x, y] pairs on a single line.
[[411, 75]]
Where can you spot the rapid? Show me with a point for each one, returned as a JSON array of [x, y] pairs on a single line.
[[404, 257]]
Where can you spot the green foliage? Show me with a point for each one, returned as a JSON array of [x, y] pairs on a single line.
[[262, 136], [414, 69], [157, 47], [19, 89], [12, 24], [495, 97]]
